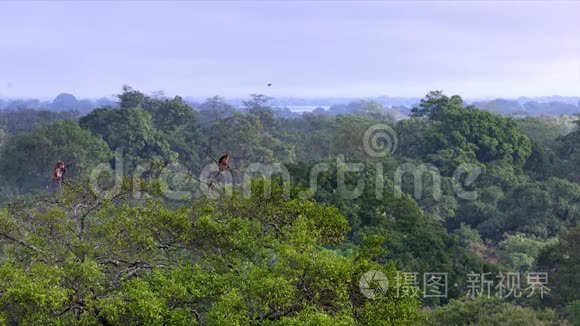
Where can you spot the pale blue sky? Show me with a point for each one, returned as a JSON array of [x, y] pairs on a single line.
[[323, 48]]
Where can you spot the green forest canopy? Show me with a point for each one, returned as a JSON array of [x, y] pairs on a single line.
[[69, 256]]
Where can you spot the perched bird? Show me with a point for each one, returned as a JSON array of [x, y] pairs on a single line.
[[223, 162], [58, 171]]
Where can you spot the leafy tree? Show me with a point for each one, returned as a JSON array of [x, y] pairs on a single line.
[[249, 138], [27, 159], [411, 134], [77, 258], [522, 251], [312, 136], [262, 113], [25, 120], [541, 209], [461, 134], [349, 134], [562, 262], [215, 108], [175, 122], [414, 241], [467, 234], [542, 163], [571, 152], [240, 137], [489, 311], [131, 98], [257, 102], [132, 131], [573, 312], [257, 260], [370, 109], [65, 102], [179, 123], [435, 104], [171, 114]]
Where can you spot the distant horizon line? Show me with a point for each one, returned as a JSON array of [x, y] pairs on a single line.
[[334, 97]]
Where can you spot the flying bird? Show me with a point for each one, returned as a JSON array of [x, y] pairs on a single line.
[[269, 84]]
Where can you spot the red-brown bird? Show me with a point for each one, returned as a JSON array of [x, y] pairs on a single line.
[[223, 162], [58, 171]]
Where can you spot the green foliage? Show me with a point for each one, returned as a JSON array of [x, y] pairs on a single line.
[[414, 241], [312, 137], [571, 152], [573, 312], [26, 120], [32, 296], [249, 138], [411, 134], [349, 135], [541, 209], [179, 123], [562, 260], [467, 234], [435, 105], [257, 260], [132, 131], [75, 258], [171, 114], [131, 98], [214, 109], [370, 110], [460, 135], [549, 146], [489, 311], [26, 160], [175, 128], [521, 251]]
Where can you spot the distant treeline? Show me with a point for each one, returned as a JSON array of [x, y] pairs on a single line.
[[288, 107]]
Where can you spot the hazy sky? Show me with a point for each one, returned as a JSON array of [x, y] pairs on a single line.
[[322, 48]]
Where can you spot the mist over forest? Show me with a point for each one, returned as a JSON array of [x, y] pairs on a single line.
[[522, 106]]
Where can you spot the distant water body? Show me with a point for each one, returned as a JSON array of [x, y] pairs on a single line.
[[304, 108]]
